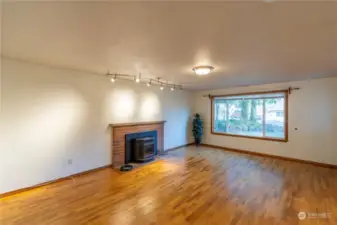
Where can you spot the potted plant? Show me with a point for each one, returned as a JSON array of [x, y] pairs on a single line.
[[198, 129]]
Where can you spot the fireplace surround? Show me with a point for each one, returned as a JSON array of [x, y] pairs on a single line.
[[119, 130]]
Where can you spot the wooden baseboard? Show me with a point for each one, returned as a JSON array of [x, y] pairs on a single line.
[[271, 156], [180, 146], [52, 181]]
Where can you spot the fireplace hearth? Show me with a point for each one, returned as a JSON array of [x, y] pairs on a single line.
[[140, 147]]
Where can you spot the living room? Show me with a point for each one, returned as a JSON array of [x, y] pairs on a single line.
[[168, 112]]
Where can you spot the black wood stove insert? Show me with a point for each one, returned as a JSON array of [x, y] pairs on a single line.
[[140, 147], [143, 149]]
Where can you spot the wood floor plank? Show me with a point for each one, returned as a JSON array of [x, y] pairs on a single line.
[[190, 186]]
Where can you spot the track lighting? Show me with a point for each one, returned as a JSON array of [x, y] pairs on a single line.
[[149, 81]]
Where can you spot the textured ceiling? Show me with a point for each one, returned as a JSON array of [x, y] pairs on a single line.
[[247, 42]]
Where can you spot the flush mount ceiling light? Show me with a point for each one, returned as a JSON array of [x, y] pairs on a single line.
[[202, 70]]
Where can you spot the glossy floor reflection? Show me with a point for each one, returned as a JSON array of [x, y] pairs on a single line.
[[190, 186]]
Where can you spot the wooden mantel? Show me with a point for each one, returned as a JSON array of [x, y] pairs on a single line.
[[137, 123], [119, 130]]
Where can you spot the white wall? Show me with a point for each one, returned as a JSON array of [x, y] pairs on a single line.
[[51, 115], [313, 110]]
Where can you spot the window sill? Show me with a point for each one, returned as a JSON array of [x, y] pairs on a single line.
[[252, 137]]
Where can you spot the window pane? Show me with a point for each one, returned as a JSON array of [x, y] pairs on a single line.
[[257, 115], [245, 117], [220, 117], [274, 118]]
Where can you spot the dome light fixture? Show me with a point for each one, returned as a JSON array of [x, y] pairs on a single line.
[[161, 87], [202, 70]]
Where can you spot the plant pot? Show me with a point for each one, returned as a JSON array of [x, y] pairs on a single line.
[[197, 142]]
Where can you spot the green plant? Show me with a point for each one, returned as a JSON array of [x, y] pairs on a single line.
[[198, 129]]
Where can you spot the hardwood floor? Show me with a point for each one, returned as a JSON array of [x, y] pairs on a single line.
[[191, 186]]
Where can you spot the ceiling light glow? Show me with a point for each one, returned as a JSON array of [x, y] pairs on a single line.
[[202, 70]]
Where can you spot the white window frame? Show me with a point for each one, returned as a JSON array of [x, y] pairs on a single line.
[[252, 95]]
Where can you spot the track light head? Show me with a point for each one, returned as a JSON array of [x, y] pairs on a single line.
[[137, 79], [113, 79]]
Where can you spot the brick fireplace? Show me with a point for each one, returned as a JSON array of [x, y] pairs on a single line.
[[120, 130]]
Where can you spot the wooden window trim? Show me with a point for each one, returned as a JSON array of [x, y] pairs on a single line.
[[285, 139]]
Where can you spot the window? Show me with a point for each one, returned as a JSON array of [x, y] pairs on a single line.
[[254, 115]]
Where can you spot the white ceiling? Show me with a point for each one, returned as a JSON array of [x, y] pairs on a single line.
[[247, 42]]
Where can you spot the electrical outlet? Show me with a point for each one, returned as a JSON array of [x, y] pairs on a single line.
[[70, 161]]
